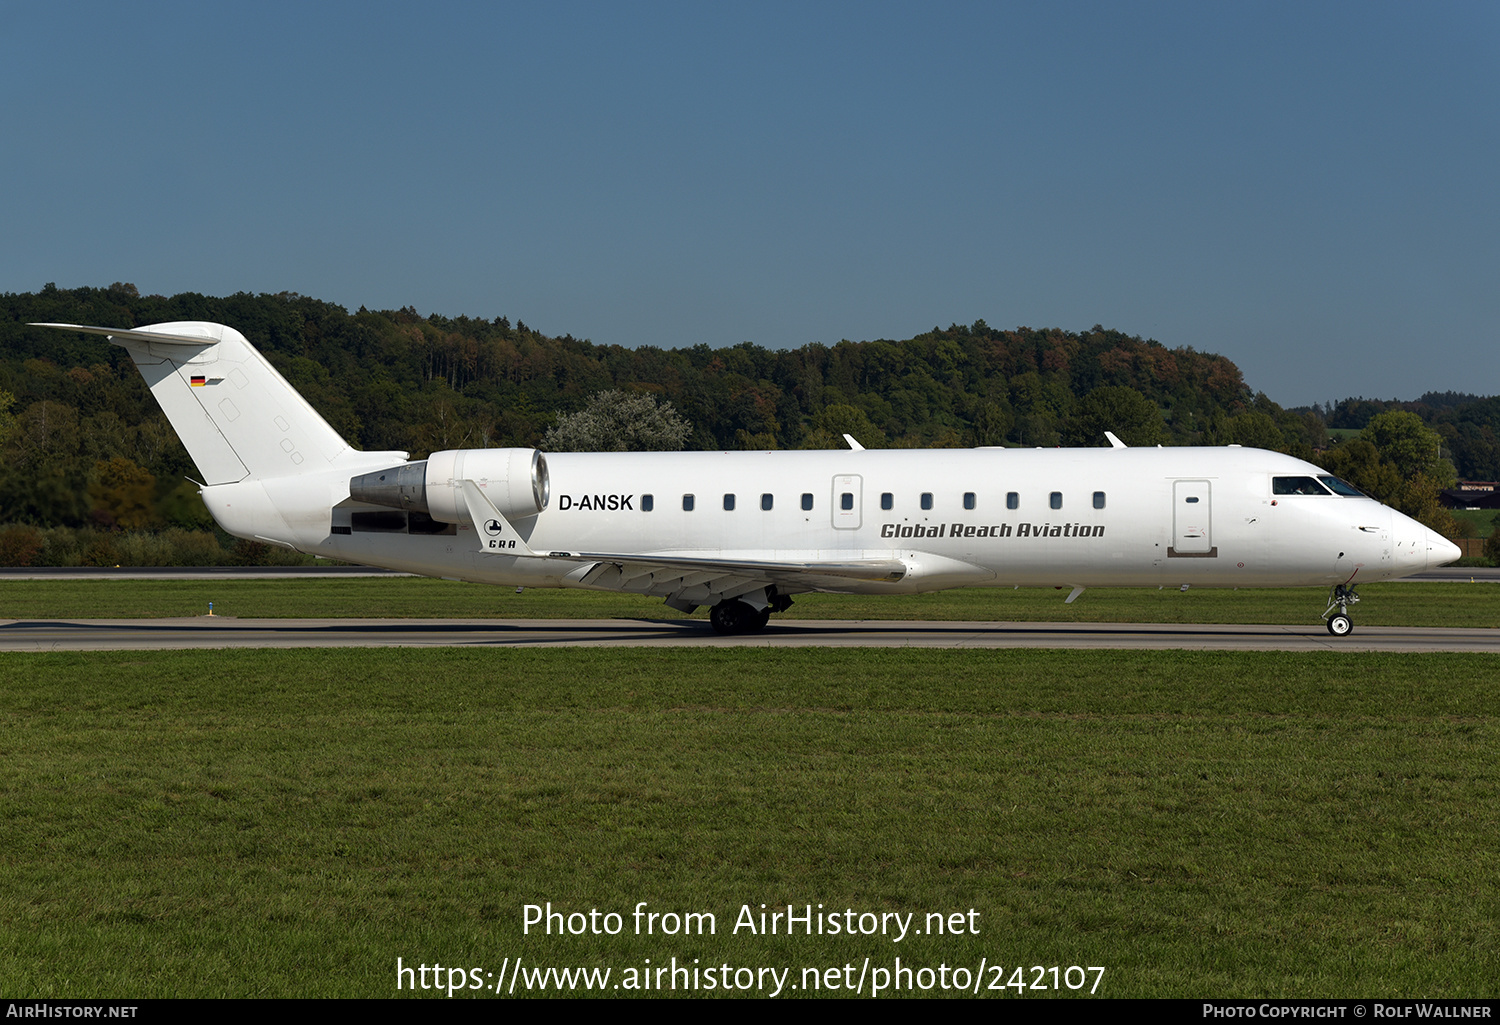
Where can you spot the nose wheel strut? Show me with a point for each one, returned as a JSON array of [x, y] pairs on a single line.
[[1340, 598]]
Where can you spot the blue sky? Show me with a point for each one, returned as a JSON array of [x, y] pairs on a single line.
[[1309, 189]]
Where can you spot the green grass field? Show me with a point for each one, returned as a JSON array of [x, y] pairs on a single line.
[[1483, 519], [1390, 604], [289, 823]]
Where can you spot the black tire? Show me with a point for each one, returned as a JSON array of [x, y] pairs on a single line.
[[731, 617], [1340, 625]]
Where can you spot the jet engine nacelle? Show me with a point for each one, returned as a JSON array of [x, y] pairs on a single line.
[[513, 479]]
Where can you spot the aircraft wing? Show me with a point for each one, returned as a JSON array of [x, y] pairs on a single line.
[[690, 577], [889, 570], [691, 580]]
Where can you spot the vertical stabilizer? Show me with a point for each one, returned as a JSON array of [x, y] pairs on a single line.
[[238, 418]]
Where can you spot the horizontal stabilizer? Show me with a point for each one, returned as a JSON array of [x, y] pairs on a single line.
[[209, 337]]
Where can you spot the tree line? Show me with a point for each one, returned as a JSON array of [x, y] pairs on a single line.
[[83, 447]]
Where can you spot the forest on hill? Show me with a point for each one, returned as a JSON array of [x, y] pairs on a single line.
[[83, 446], [1469, 425]]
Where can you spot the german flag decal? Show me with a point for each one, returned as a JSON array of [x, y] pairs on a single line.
[[199, 380]]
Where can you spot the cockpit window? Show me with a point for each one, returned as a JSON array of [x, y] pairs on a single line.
[[1296, 486], [1341, 487]]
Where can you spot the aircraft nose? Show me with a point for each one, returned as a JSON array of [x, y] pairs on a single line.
[[1440, 551], [1418, 548]]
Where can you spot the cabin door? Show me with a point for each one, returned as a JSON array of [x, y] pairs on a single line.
[[1192, 519]]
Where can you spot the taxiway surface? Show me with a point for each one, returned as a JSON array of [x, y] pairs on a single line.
[[226, 632]]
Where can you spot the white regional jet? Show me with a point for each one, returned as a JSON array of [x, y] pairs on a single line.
[[743, 532]]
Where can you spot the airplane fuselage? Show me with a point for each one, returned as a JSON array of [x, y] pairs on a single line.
[[1028, 517]]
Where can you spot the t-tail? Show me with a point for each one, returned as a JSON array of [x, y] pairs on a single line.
[[271, 466]]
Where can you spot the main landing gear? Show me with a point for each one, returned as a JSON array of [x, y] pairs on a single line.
[[1339, 623], [737, 617], [740, 617]]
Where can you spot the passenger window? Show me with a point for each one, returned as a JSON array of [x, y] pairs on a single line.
[[887, 501], [1057, 499], [846, 501], [729, 503], [968, 499], [806, 500], [1098, 500], [1012, 500], [687, 503], [766, 501], [927, 500], [648, 502]]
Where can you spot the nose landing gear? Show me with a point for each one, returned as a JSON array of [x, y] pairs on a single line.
[[1340, 597]]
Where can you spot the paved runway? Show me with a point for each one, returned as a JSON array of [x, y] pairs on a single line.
[[1446, 574], [226, 632]]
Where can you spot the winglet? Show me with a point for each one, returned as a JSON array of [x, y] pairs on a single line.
[[1114, 442], [854, 446], [493, 531]]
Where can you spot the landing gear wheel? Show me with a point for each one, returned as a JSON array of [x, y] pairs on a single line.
[[736, 617], [1340, 597], [762, 618]]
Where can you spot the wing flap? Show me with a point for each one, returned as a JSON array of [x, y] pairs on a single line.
[[875, 570]]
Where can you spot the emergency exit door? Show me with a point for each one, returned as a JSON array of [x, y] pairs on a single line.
[[848, 500]]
